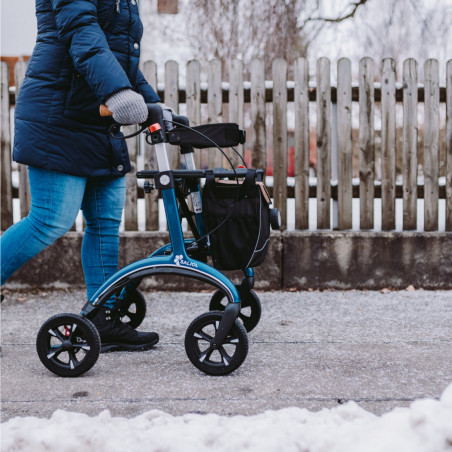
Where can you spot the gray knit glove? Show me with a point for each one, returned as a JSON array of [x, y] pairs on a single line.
[[128, 107]]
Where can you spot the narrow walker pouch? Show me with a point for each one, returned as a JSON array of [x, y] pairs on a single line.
[[242, 241]]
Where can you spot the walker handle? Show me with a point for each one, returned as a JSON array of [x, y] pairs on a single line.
[[104, 111]]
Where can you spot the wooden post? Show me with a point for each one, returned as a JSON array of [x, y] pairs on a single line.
[[258, 138], [449, 146], [214, 108], [172, 100], [301, 101], [6, 183], [24, 185], [193, 99], [279, 70], [236, 103], [388, 145], [409, 144], [323, 143], [431, 144], [344, 143], [130, 206], [150, 160], [366, 143]]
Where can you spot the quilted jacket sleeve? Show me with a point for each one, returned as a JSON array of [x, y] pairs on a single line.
[[80, 32], [146, 90]]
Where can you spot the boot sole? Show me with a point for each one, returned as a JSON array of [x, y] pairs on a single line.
[[118, 347]]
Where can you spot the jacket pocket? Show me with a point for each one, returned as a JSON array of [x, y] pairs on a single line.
[[82, 104]]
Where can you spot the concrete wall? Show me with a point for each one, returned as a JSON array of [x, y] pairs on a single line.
[[296, 260]]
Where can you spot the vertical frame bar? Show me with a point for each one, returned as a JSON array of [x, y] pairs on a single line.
[[323, 143], [388, 145], [409, 169], [431, 144], [150, 160], [259, 143], [449, 146], [366, 143], [193, 99], [214, 107], [236, 103], [279, 70], [301, 101], [24, 185], [7, 187], [344, 143]]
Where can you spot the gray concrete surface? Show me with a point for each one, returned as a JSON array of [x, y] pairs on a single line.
[[311, 350]]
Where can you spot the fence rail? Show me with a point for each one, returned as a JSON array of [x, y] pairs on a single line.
[[325, 139]]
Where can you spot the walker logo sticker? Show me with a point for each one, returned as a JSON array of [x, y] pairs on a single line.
[[179, 260]]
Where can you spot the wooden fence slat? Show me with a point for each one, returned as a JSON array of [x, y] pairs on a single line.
[[130, 206], [409, 166], [366, 143], [323, 143], [24, 185], [279, 70], [344, 143], [172, 100], [258, 138], [301, 75], [7, 187], [193, 99], [150, 160], [449, 146], [236, 103], [388, 145], [431, 144], [214, 108]]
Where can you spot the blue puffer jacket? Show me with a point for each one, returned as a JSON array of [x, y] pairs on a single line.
[[86, 50]]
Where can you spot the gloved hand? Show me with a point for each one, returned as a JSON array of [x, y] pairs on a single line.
[[128, 107]]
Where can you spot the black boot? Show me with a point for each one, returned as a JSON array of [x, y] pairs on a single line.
[[117, 336]]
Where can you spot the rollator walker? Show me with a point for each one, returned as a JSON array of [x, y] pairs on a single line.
[[216, 342]]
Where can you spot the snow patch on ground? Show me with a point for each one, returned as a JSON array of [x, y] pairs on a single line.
[[426, 426]]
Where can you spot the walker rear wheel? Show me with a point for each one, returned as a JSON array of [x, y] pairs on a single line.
[[250, 312], [68, 345], [132, 309], [220, 359]]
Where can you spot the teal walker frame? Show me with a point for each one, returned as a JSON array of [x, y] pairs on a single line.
[[216, 342]]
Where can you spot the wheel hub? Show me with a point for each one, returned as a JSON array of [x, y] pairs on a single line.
[[67, 345]]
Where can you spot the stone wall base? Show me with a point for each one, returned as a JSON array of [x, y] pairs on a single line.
[[296, 260]]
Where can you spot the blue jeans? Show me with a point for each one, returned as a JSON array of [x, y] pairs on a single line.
[[56, 199]]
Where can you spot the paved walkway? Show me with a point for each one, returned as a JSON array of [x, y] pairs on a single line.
[[311, 349]]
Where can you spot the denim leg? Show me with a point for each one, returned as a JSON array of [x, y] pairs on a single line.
[[102, 208], [55, 203]]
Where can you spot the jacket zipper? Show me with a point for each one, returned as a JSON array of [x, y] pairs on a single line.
[[118, 2]]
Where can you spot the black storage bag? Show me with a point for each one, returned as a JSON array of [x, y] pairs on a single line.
[[242, 241], [223, 135]]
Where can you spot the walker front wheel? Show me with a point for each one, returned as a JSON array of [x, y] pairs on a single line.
[[215, 359], [68, 345], [251, 308], [132, 310]]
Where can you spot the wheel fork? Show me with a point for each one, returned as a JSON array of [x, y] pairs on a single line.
[[230, 315]]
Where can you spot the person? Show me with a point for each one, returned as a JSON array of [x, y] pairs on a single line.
[[86, 54]]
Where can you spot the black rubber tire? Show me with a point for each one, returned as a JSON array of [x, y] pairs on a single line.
[[250, 312], [83, 339], [233, 349], [132, 309]]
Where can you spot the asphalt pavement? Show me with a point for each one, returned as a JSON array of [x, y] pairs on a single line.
[[311, 350]]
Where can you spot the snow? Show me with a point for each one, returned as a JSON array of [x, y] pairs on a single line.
[[425, 426]]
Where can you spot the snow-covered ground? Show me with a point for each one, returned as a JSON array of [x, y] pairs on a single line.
[[426, 426]]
